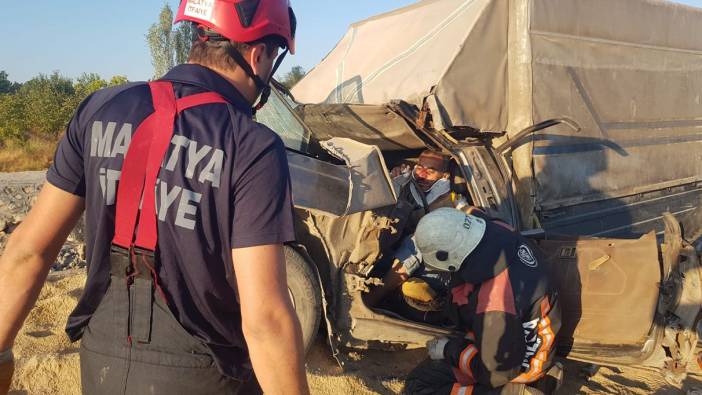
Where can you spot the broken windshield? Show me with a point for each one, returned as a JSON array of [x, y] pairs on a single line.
[[278, 116]]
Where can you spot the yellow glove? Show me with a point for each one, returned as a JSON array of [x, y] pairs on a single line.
[[7, 367], [419, 295], [419, 290]]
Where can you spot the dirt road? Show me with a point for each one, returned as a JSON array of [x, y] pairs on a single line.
[[47, 363], [377, 372]]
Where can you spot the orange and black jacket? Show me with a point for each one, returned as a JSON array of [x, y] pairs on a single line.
[[503, 301]]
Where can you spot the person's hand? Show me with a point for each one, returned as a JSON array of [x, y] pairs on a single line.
[[7, 367], [435, 347], [399, 170]]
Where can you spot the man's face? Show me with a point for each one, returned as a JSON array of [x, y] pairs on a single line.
[[426, 176]]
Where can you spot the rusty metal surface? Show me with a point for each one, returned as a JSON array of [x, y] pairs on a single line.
[[681, 317]]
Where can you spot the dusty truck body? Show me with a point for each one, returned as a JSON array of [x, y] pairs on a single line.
[[629, 73], [573, 120]]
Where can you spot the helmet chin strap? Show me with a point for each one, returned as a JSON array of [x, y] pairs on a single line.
[[263, 86], [266, 91]]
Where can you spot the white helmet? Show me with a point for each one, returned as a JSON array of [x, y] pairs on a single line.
[[446, 237]]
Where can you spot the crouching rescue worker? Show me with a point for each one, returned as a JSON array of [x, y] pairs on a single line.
[[501, 300], [186, 288]]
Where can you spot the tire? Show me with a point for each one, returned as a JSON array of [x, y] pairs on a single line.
[[305, 293]]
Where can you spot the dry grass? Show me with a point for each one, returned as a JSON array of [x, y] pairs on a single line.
[[36, 153], [47, 363]]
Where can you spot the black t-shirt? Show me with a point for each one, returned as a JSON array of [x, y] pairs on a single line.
[[224, 183]]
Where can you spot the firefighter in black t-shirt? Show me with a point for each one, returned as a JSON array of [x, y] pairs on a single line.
[[186, 293]]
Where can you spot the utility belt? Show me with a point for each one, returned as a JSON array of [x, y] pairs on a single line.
[[134, 344], [136, 269]]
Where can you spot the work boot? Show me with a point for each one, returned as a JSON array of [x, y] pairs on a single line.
[[551, 381]]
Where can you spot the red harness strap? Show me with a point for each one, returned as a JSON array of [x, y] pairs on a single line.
[[143, 162]]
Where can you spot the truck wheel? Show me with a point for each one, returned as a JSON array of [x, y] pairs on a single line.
[[305, 293]]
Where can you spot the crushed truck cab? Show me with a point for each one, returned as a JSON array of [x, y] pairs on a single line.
[[570, 120]]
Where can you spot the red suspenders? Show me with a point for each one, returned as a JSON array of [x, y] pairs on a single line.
[[142, 163], [132, 256]]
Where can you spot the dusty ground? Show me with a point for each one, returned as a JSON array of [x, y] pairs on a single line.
[[48, 364]]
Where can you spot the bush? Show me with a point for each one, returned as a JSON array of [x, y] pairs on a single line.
[[34, 114], [12, 119], [7, 86], [47, 103]]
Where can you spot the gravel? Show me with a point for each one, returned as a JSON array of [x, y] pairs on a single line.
[[18, 192]]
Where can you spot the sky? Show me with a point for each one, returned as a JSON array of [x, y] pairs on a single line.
[[108, 37]]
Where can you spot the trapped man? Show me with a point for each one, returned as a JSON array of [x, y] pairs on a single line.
[[422, 189]]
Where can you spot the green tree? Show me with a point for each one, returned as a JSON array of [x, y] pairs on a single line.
[[293, 76], [88, 83], [182, 41], [12, 119], [45, 100], [118, 80], [39, 106], [7, 86], [168, 46], [45, 104], [159, 38], [84, 85]]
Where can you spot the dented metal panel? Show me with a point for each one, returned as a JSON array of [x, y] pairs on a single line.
[[603, 283], [370, 183], [318, 185], [374, 125], [362, 184]]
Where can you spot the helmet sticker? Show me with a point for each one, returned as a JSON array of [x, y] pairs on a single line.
[[467, 222], [201, 9], [525, 255]]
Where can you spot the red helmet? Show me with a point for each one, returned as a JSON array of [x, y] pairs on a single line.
[[242, 20]]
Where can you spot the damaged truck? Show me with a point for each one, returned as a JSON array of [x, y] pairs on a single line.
[[578, 122]]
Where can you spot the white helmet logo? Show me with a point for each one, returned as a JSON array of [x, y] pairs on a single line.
[[201, 9], [525, 255]]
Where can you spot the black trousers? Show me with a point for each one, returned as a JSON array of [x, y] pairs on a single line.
[[433, 377], [161, 358]]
